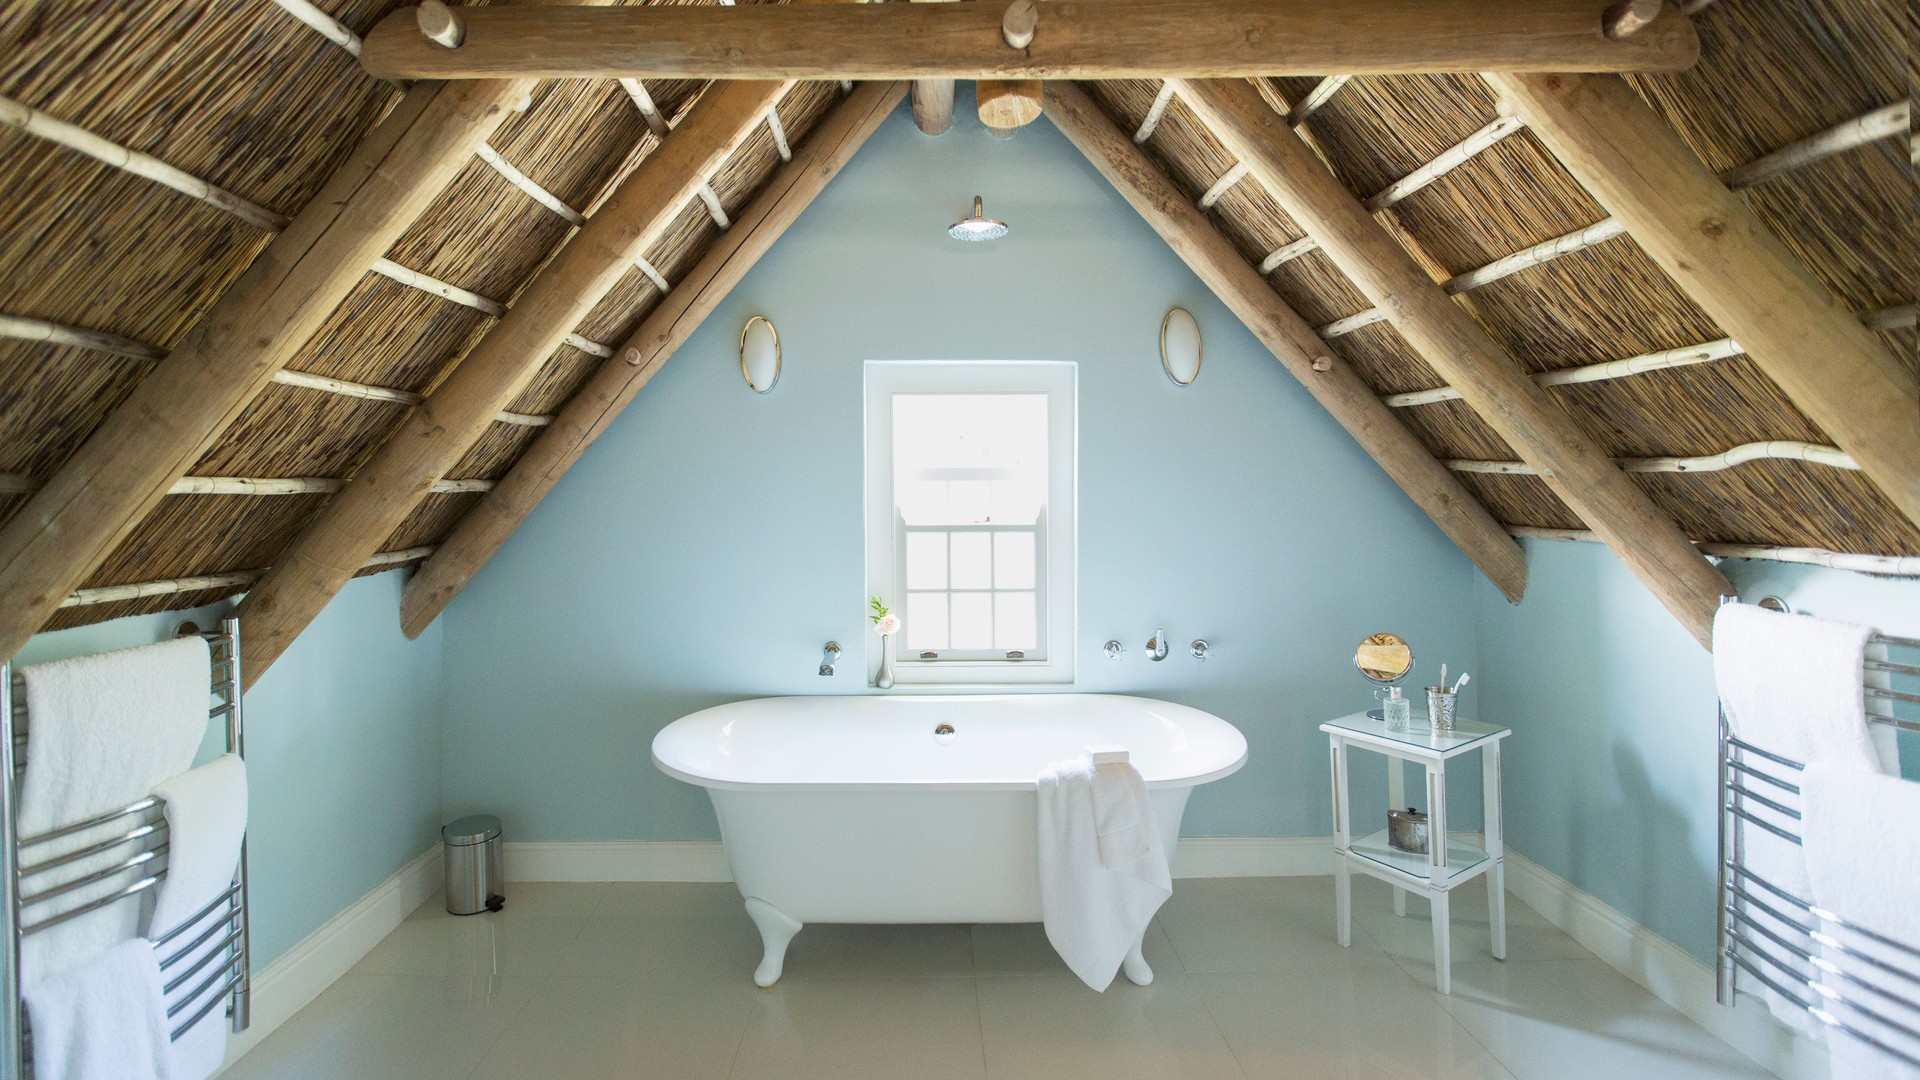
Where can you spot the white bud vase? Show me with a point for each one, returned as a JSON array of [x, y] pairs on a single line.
[[885, 679]]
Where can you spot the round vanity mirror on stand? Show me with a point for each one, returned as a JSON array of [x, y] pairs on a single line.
[[1384, 659]]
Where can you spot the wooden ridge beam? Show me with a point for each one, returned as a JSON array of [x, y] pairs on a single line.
[[1799, 334], [1108, 40], [133, 458], [1463, 353], [433, 438], [1292, 341], [588, 413]]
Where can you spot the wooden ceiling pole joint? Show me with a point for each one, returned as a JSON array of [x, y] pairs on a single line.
[[933, 99], [1006, 104], [435, 436], [133, 458], [1018, 23], [441, 24], [1625, 18], [1108, 40], [1292, 341], [1463, 353], [1706, 238], [588, 413]]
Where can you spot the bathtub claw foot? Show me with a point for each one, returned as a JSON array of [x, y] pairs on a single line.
[[776, 930], [1135, 966]]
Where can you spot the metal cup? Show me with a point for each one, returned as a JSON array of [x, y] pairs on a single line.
[[1440, 707]]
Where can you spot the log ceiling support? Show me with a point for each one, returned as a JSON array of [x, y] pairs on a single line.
[[1463, 353], [440, 431], [481, 532], [1708, 241], [1291, 340], [1108, 40], [134, 458]]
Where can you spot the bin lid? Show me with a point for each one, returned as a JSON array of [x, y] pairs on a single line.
[[472, 829]]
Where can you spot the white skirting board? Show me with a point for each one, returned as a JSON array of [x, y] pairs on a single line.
[[291, 982], [1667, 971], [706, 860]]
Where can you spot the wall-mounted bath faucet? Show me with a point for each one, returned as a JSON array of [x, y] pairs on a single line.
[[830, 658], [1113, 650], [1201, 650], [1157, 646]]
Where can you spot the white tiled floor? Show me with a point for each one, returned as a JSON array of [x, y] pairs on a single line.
[[584, 982]]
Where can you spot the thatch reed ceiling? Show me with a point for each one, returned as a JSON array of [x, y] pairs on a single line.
[[106, 265]]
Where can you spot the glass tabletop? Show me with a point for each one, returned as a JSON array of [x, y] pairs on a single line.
[[1419, 733]]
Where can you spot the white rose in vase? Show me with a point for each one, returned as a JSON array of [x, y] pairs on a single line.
[[888, 624]]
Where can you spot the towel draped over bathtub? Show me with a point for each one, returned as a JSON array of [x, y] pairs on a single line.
[[1103, 869]]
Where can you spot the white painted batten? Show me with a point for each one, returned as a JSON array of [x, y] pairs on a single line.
[[1317, 98], [1892, 318], [1221, 186], [446, 290], [715, 211], [1772, 450], [25, 329], [1154, 111], [33, 122], [528, 186], [322, 23], [649, 111], [779, 133], [652, 274], [1890, 565], [108, 594], [1450, 159]]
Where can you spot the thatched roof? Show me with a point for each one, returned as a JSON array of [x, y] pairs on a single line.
[[244, 96]]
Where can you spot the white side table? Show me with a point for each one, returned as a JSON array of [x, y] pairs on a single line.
[[1448, 863]]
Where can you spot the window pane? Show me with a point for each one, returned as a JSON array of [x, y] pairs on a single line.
[[1012, 560], [926, 626], [926, 560], [972, 620], [972, 561], [1014, 626]]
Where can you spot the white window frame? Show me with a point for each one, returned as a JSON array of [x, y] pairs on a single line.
[[1054, 575]]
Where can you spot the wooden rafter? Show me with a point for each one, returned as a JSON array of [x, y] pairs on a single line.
[[1453, 344], [439, 432], [1111, 39], [1291, 340], [129, 463], [1708, 241], [791, 189]]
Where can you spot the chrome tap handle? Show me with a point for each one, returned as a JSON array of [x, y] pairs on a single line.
[[1157, 646], [1201, 650], [829, 658]]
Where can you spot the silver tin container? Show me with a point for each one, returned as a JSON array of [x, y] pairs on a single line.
[[1407, 830]]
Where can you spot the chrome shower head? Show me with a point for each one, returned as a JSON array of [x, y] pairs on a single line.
[[979, 226]]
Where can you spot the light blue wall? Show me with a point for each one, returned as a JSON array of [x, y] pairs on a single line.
[[711, 541], [1610, 772], [343, 753]]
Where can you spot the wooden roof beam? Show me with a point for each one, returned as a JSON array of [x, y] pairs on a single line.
[[1720, 253], [481, 532], [433, 438], [133, 458], [1464, 354], [1108, 40], [1219, 264]]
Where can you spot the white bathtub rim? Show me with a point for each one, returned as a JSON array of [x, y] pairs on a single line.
[[955, 785]]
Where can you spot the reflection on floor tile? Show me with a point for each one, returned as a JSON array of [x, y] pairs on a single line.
[[642, 980], [1053, 1026]]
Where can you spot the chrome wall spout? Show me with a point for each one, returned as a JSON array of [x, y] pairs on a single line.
[[829, 658], [1157, 646]]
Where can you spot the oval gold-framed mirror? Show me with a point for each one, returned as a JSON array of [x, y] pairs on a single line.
[[760, 354], [1384, 658], [1180, 347]]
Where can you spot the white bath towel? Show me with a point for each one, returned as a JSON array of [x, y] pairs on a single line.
[[101, 732], [206, 821], [1790, 685], [101, 1018], [1862, 852], [1103, 870]]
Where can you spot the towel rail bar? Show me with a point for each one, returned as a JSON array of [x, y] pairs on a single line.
[[217, 953], [1843, 976]]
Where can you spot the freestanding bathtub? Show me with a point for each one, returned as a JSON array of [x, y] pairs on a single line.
[[916, 809]]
